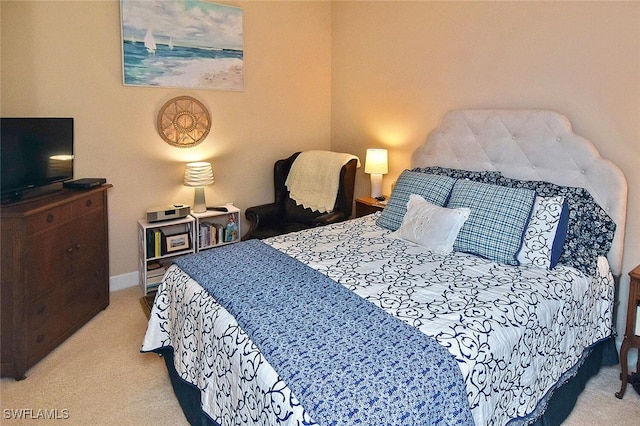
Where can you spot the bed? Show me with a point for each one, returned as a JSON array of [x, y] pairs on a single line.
[[387, 319]]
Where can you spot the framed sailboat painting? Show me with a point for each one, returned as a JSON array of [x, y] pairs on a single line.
[[182, 43]]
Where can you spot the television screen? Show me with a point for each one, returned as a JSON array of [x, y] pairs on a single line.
[[35, 152]]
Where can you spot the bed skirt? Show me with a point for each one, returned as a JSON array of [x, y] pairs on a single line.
[[558, 408], [564, 398], [188, 395]]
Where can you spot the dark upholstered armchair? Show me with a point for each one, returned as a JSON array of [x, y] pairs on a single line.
[[283, 215]]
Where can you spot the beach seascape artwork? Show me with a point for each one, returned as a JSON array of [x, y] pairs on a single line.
[[182, 43]]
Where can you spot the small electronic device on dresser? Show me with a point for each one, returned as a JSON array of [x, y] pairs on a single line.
[[172, 211], [84, 183]]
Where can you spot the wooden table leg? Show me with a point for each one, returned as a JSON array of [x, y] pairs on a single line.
[[624, 350]]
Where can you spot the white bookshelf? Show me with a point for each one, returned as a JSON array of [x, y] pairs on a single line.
[[158, 243], [213, 228]]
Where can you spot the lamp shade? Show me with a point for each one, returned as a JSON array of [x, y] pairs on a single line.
[[198, 174], [376, 162]]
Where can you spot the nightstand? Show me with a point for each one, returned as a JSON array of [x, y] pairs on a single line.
[[632, 330], [368, 205]]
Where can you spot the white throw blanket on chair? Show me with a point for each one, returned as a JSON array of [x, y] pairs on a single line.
[[314, 179]]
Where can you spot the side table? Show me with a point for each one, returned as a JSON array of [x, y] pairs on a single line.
[[632, 330], [368, 205]]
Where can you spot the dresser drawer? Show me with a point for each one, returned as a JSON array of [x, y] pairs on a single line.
[[46, 335], [45, 306], [49, 263], [87, 204], [48, 219], [90, 301]]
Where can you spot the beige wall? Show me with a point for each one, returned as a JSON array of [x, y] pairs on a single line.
[[397, 67], [64, 59], [345, 75]]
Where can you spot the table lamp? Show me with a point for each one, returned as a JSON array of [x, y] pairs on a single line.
[[198, 175], [376, 164]]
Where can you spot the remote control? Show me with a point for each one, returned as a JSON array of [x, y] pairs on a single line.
[[218, 209]]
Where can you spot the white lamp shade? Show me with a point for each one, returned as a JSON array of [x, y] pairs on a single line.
[[198, 174], [376, 162]]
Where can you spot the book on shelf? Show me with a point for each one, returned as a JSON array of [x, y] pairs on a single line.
[[154, 238], [150, 243], [154, 265], [202, 235], [153, 286], [154, 280], [208, 234], [637, 329], [157, 272], [216, 233]]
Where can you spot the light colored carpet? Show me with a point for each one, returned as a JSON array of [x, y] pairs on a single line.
[[99, 374], [101, 378]]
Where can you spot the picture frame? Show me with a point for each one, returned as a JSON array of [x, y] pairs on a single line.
[[176, 242], [195, 44]]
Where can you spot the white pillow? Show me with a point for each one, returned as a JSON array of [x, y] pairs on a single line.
[[431, 226]]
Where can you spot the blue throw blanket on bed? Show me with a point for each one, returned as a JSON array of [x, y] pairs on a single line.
[[346, 360]]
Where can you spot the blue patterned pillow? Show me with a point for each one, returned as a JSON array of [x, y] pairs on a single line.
[[499, 216], [590, 230], [434, 189], [486, 176]]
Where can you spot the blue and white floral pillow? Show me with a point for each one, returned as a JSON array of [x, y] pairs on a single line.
[[590, 230], [545, 233]]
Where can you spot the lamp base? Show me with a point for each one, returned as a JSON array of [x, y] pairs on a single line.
[[199, 205], [376, 185]]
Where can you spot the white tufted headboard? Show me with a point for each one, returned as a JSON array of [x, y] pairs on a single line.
[[529, 145]]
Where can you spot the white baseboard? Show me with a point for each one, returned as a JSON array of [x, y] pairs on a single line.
[[120, 282]]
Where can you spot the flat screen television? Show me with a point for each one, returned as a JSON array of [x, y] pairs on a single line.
[[35, 153]]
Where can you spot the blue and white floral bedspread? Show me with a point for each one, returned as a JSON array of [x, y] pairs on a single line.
[[513, 330], [346, 360]]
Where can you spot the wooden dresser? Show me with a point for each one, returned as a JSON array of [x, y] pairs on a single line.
[[55, 273]]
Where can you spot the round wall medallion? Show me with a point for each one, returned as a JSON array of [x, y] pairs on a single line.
[[184, 122]]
